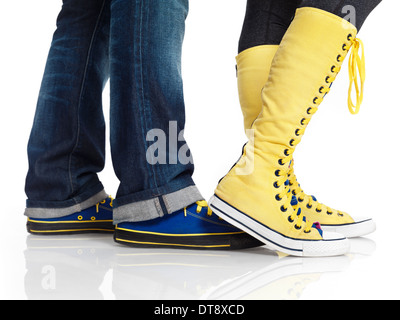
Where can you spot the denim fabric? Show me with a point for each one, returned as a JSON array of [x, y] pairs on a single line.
[[67, 144], [137, 45], [146, 94]]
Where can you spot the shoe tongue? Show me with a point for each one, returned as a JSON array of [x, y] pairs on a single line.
[[294, 201], [290, 164], [317, 226]]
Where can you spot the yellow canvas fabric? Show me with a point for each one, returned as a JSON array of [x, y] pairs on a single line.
[[253, 68], [305, 64]]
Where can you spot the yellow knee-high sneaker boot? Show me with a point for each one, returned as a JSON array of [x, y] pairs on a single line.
[[253, 67], [253, 195]]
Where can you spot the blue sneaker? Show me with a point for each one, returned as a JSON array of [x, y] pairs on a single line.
[[98, 218], [194, 227]]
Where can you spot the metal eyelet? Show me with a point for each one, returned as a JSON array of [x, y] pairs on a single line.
[[277, 173], [297, 227], [309, 206], [290, 219], [276, 185], [283, 209], [327, 79], [278, 198]]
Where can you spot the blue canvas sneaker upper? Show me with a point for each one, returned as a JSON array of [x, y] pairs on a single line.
[[101, 212], [195, 219]]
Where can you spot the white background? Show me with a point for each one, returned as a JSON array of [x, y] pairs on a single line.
[[348, 162]]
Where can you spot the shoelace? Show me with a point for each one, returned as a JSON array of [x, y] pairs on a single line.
[[356, 69], [311, 201], [356, 66], [200, 205], [355, 63], [103, 202], [298, 217]]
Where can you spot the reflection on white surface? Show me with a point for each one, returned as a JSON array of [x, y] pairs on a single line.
[[67, 267], [74, 267]]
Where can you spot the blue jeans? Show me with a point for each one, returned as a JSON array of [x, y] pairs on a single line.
[[136, 44]]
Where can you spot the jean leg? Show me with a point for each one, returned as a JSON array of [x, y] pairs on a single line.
[[66, 148], [147, 109]]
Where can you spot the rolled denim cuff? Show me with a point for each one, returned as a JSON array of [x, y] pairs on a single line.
[[157, 207], [50, 213]]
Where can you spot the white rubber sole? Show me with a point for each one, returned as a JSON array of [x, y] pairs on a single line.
[[332, 244], [360, 228]]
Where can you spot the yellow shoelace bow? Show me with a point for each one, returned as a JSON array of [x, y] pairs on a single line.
[[200, 205], [103, 202], [356, 69]]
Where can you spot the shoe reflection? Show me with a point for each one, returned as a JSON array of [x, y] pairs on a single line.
[[74, 267], [67, 267]]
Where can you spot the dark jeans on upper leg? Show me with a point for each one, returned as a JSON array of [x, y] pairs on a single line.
[[148, 110], [66, 148], [137, 43]]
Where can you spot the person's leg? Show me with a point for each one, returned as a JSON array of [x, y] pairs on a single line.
[[354, 11], [253, 68], [266, 22], [148, 111], [67, 142], [303, 70], [157, 204]]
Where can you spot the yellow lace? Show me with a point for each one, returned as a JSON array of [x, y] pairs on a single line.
[[356, 69], [103, 202], [303, 197], [356, 66], [297, 216], [200, 205]]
